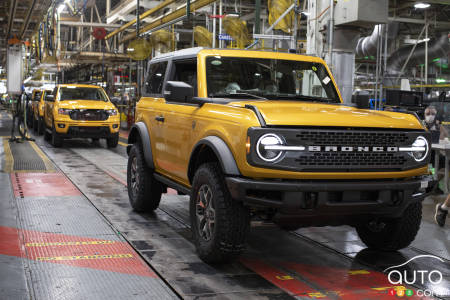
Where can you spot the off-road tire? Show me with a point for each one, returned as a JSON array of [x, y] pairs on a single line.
[[231, 220], [148, 191], [57, 141], [397, 234], [113, 141], [41, 126], [35, 125], [47, 135]]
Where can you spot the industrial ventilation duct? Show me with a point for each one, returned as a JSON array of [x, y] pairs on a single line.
[[437, 48], [367, 46]]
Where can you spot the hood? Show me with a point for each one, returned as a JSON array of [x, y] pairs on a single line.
[[290, 113], [85, 104]]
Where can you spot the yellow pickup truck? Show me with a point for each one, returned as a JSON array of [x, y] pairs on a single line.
[[80, 111], [251, 134]]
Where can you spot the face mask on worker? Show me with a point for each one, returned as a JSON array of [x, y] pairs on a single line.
[[430, 118]]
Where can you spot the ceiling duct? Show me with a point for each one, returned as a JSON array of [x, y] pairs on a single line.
[[437, 48], [367, 46]]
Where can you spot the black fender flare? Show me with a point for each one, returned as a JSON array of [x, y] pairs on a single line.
[[222, 152], [139, 129]]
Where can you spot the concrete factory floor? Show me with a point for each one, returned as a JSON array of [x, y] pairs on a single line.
[[67, 231]]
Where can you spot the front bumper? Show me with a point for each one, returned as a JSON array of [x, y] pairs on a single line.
[[87, 129], [323, 200]]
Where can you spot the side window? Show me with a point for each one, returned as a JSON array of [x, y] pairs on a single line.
[[155, 78], [186, 71], [37, 96]]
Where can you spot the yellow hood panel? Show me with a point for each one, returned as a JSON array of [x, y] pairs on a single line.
[[85, 104], [296, 113]]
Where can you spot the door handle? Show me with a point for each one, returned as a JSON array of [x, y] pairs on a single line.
[[159, 118]]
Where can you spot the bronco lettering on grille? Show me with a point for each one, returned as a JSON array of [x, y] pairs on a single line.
[[351, 149]]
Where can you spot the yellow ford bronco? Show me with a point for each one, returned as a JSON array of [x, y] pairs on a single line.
[[80, 111], [250, 134]]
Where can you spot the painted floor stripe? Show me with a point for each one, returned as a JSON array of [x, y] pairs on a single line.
[[284, 281], [348, 285], [107, 256], [68, 243]]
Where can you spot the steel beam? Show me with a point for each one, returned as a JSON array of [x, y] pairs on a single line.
[[89, 24], [180, 12], [12, 13], [27, 19], [418, 21]]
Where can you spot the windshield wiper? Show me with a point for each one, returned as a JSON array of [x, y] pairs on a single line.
[[239, 94]]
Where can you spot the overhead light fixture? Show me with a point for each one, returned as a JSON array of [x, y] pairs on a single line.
[[421, 5], [233, 15]]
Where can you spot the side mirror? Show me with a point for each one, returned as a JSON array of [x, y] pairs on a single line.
[[178, 91], [50, 98], [115, 101]]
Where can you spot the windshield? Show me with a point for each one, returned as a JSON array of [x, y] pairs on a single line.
[[81, 93], [269, 79]]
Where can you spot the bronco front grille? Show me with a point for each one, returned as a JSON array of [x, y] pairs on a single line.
[[352, 138], [89, 115], [340, 160]]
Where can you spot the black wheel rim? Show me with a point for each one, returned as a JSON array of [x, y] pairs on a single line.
[[205, 212], [134, 176]]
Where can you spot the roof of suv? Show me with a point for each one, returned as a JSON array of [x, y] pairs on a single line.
[[193, 52]]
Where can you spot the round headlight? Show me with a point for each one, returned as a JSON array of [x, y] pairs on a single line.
[[420, 148], [265, 142]]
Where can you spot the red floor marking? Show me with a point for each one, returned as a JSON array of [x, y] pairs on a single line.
[[42, 185], [9, 241], [116, 177], [349, 287], [38, 250], [282, 280]]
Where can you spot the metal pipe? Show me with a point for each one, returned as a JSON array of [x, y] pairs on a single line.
[[280, 18], [214, 25], [257, 16], [108, 8], [88, 24], [137, 19], [166, 19], [27, 19], [426, 48], [330, 46], [220, 22], [141, 17], [410, 54], [12, 13]]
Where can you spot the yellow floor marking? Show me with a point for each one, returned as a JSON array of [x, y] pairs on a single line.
[[9, 159], [396, 287], [47, 162], [68, 243], [316, 295], [358, 272], [106, 256], [284, 277], [123, 144]]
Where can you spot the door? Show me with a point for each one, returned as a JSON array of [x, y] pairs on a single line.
[[178, 123], [50, 99]]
